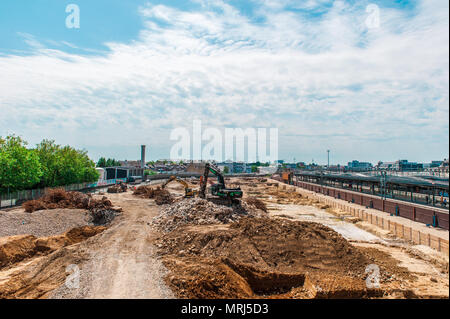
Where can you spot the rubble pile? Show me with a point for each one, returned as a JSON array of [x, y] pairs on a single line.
[[102, 210], [145, 191], [257, 203], [118, 188], [161, 196], [198, 211]]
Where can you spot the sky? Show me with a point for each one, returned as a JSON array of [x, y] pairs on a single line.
[[368, 80]]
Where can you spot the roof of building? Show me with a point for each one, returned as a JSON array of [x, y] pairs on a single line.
[[421, 181]]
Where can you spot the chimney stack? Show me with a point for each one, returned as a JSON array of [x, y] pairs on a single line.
[[142, 156]]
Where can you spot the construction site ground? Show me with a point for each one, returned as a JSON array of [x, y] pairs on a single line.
[[195, 249]]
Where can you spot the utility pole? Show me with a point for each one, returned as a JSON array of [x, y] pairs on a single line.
[[328, 166]]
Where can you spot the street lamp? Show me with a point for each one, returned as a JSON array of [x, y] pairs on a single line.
[[328, 166]]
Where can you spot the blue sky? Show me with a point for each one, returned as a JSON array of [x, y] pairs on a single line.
[[319, 70]]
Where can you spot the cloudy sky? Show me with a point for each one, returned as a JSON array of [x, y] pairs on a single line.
[[368, 80]]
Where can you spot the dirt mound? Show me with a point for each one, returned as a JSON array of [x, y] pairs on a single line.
[[59, 198], [101, 210], [198, 211], [145, 191], [118, 188], [17, 248], [257, 203], [161, 196], [257, 257], [284, 244]]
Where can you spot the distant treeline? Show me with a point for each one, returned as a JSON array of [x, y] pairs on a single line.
[[110, 162], [47, 165]]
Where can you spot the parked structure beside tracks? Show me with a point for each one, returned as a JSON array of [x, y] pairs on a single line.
[[433, 216]]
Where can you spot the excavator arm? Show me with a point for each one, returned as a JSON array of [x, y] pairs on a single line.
[[171, 179], [187, 190], [218, 189]]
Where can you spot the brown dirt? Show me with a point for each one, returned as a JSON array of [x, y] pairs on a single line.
[[161, 196], [101, 210], [17, 248], [257, 203], [34, 267], [118, 263], [59, 198], [118, 188], [262, 257]]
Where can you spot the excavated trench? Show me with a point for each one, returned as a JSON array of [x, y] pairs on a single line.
[[265, 258]]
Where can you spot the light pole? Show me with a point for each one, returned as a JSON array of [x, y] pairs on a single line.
[[328, 166]]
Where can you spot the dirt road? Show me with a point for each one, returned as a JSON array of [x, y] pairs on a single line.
[[121, 262]]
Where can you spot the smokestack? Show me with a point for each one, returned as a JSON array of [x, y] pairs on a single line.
[[142, 156]]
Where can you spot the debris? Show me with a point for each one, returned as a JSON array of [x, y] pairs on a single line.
[[259, 204], [161, 196], [145, 191], [198, 211], [101, 210], [118, 188]]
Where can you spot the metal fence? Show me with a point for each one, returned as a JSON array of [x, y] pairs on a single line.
[[10, 199]]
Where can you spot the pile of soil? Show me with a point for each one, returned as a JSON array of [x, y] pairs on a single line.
[[257, 203], [145, 191], [101, 210], [266, 258], [59, 198], [256, 257], [161, 196], [17, 248], [118, 188], [198, 211]]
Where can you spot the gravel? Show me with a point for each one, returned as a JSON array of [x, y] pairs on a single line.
[[41, 223]]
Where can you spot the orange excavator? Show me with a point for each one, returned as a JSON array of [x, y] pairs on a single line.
[[288, 177], [188, 192]]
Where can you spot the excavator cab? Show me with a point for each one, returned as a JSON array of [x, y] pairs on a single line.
[[219, 189]]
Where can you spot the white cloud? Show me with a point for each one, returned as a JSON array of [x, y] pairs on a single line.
[[310, 77]]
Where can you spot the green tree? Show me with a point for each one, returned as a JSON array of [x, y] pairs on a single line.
[[226, 170], [254, 168], [19, 167], [101, 162], [110, 162], [64, 165]]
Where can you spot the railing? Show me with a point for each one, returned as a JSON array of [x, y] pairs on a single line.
[[10, 199]]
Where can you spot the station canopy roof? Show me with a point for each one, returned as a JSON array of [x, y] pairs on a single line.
[[416, 181]]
